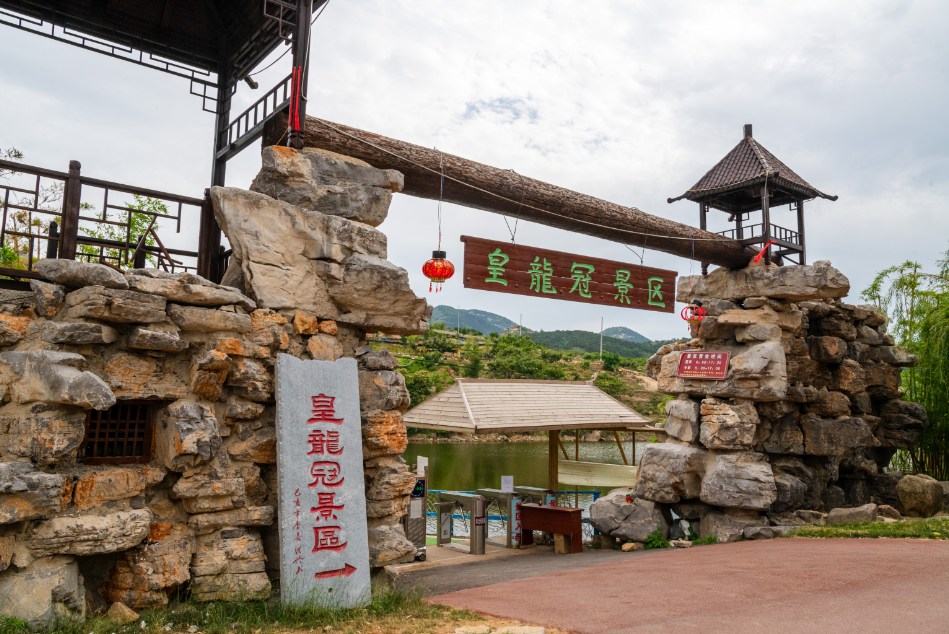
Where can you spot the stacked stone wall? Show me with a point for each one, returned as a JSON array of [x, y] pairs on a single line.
[[808, 416], [201, 512]]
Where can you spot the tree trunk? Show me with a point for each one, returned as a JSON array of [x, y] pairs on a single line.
[[505, 192]]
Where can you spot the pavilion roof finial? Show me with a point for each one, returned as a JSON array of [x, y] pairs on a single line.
[[747, 131]]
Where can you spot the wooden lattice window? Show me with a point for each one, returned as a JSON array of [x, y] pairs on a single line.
[[121, 434]]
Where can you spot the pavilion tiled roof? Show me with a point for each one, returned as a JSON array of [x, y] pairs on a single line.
[[749, 163]]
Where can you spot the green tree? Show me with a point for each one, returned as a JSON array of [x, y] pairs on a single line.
[[917, 303], [138, 225], [611, 361], [472, 369]]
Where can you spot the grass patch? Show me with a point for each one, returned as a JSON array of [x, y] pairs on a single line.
[[393, 611], [705, 541], [10, 625], [907, 529]]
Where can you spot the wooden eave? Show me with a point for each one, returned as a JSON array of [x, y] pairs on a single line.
[[498, 406]]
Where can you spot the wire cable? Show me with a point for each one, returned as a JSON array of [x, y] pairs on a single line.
[[291, 48]]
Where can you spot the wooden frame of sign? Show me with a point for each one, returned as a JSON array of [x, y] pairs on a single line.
[[503, 267]]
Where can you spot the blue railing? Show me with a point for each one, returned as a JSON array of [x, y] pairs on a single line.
[[496, 523]]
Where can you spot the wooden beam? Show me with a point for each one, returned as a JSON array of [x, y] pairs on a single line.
[[620, 445], [505, 192], [553, 459]]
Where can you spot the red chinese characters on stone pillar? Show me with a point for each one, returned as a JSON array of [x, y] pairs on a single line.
[[323, 410], [327, 474]]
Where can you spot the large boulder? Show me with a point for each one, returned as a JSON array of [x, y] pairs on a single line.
[[205, 523], [54, 377], [327, 266], [882, 488], [757, 372], [389, 545], [729, 526], [900, 423], [190, 436], [643, 520], [44, 433], [144, 576], [99, 485], [858, 515], [670, 472], [26, 493], [785, 435], [78, 333], [76, 274], [682, 419], [186, 288], [89, 534], [383, 389], [920, 495], [211, 492], [327, 182], [134, 377], [791, 492], [795, 283], [835, 437], [728, 425], [46, 590], [742, 480], [609, 511], [383, 434], [229, 565], [117, 306]]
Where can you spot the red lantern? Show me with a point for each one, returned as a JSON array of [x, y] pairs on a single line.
[[438, 269], [693, 313]]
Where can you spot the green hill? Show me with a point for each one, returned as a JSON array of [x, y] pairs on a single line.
[[481, 320], [621, 332], [584, 341]]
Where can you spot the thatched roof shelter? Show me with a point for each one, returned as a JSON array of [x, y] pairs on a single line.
[[501, 406]]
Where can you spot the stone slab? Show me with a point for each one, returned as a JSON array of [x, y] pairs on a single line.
[[324, 540]]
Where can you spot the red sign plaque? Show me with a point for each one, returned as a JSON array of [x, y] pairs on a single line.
[[507, 268], [707, 364]]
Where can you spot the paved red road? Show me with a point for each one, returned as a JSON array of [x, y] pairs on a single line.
[[793, 585]]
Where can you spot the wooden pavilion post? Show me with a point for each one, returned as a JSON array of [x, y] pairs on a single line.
[[703, 225], [553, 459], [766, 222], [800, 230], [72, 199]]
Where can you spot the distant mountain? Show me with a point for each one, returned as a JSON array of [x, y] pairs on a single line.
[[621, 332], [585, 341], [481, 320]]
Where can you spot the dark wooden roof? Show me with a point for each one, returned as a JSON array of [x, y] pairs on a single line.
[[734, 184], [199, 33]]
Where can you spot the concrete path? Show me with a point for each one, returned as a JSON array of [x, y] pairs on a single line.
[[469, 571], [794, 585]]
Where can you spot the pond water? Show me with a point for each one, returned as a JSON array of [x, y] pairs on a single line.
[[474, 465]]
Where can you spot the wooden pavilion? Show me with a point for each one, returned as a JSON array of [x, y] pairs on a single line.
[[493, 406], [749, 179]]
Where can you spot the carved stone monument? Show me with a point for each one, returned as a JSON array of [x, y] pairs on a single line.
[[324, 551]]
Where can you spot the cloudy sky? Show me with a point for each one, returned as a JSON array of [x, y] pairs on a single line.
[[627, 101]]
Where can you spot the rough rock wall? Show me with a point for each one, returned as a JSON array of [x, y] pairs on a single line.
[[201, 512], [806, 419]]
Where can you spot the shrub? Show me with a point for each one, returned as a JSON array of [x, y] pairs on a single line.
[[708, 539], [655, 540]]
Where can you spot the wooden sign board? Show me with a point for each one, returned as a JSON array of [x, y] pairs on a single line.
[[503, 267], [706, 364]]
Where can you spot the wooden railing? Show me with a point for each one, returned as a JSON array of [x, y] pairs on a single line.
[[44, 216]]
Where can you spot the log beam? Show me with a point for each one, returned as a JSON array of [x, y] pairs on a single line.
[[505, 192]]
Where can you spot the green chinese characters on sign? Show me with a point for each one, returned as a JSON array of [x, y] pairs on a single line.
[[496, 262], [540, 276], [622, 286], [654, 287], [581, 278]]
